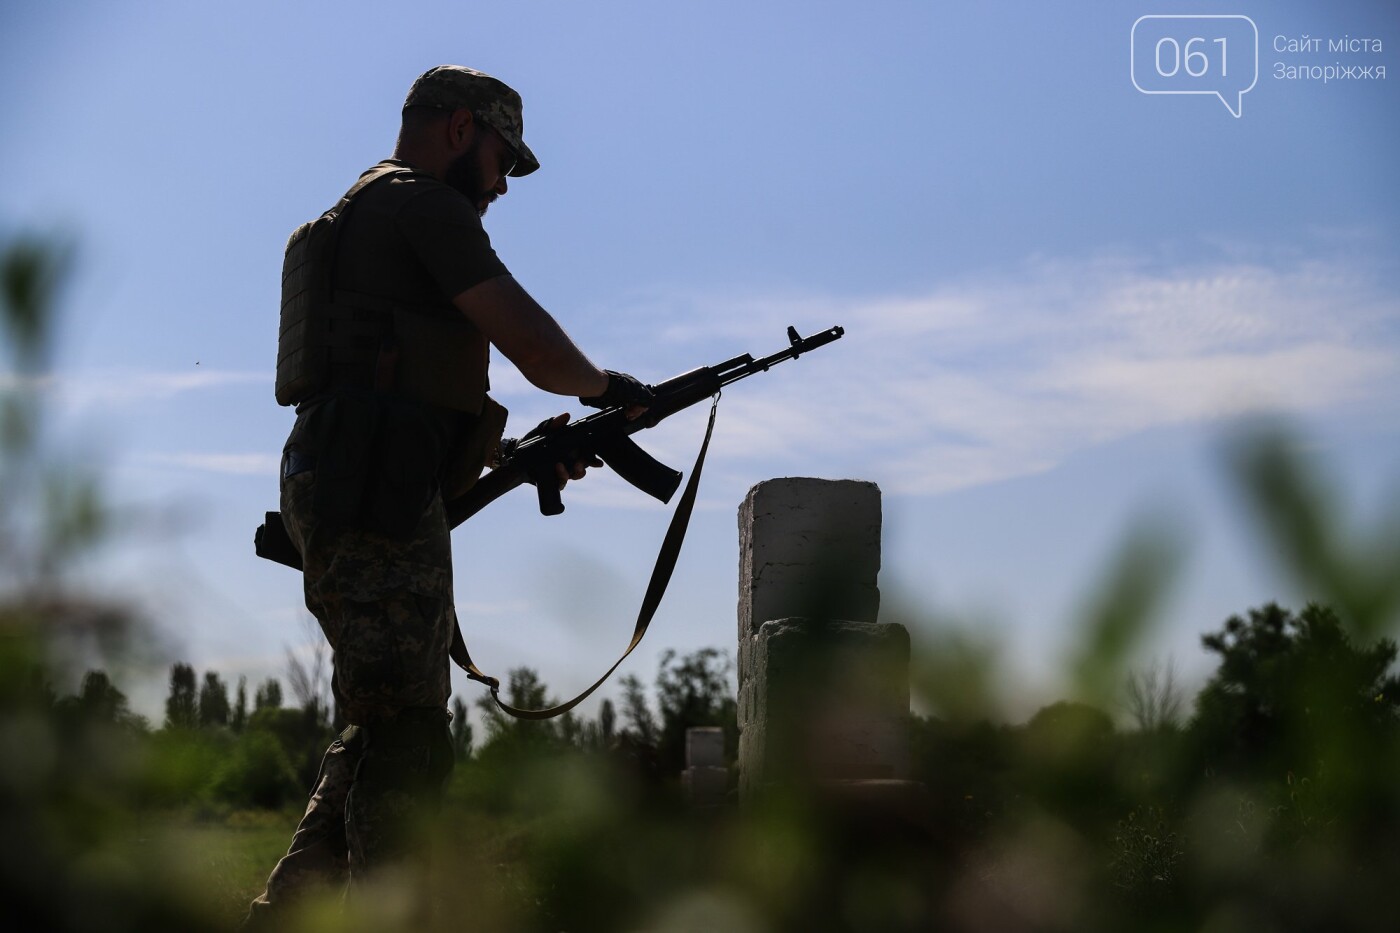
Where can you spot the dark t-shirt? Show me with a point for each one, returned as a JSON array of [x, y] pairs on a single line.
[[412, 239]]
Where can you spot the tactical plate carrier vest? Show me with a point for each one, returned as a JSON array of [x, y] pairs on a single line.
[[333, 338]]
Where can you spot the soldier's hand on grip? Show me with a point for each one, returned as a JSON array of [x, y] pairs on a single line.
[[573, 464]]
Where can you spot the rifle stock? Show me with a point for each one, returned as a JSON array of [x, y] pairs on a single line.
[[272, 542], [484, 492]]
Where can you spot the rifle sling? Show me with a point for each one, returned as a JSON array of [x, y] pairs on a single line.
[[660, 577]]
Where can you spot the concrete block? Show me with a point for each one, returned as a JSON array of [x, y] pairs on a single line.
[[825, 700], [705, 786], [704, 747], [754, 760], [747, 711], [811, 662], [808, 548]]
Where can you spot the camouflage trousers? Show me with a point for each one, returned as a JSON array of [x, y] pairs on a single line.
[[385, 606]]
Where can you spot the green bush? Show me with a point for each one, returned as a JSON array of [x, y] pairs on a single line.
[[256, 773], [177, 764]]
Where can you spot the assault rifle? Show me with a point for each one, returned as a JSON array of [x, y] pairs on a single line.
[[605, 434]]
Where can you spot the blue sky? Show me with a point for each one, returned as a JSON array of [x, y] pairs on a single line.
[[1060, 294]]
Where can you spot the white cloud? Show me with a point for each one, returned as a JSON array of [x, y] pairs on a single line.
[[1006, 375], [254, 464], [124, 389], [14, 382], [506, 608], [999, 375]]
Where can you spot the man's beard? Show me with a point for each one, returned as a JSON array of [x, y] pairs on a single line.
[[464, 174]]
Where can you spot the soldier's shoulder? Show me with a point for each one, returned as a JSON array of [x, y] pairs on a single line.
[[407, 178], [408, 188]]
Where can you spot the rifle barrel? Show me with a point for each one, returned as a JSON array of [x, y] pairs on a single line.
[[799, 346]]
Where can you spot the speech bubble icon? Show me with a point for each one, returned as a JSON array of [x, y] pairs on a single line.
[[1182, 54]]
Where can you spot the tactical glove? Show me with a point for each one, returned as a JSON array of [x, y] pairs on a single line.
[[622, 390]]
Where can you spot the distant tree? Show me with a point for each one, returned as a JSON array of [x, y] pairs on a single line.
[[1064, 752], [641, 724], [268, 696], [182, 705], [97, 701], [1153, 698], [607, 723], [693, 691], [100, 700], [524, 690], [590, 735], [1065, 722], [965, 760], [572, 731], [240, 708], [461, 730], [303, 738], [309, 677], [213, 701], [1291, 691]]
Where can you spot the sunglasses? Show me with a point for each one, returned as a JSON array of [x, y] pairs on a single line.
[[510, 159]]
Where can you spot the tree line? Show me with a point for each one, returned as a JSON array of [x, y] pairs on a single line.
[[1292, 694], [264, 752], [1289, 753]]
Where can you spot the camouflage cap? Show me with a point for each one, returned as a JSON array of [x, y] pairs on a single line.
[[450, 87]]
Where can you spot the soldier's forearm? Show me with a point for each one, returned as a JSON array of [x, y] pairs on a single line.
[[530, 338]]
